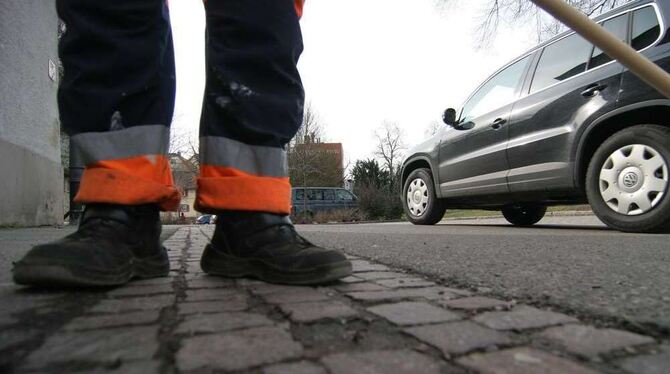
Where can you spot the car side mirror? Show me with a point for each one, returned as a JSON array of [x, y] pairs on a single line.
[[449, 117]]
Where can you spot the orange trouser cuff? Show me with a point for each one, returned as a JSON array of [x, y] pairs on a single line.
[[132, 181], [226, 188], [299, 4]]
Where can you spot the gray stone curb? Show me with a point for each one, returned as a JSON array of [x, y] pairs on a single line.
[[379, 320]]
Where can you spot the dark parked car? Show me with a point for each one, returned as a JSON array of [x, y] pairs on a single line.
[[561, 124], [309, 200]]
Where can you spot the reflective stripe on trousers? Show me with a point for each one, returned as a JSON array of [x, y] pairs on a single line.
[[238, 176], [127, 166]]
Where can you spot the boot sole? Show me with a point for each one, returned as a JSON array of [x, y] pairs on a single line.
[[45, 274], [214, 262]]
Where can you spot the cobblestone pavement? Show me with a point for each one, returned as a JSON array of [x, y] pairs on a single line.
[[380, 320]]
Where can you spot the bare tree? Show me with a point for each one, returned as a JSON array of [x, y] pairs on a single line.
[[525, 12], [390, 147], [185, 144], [182, 140], [311, 130], [193, 153], [312, 164], [184, 180]]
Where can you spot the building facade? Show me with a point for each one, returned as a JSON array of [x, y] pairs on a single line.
[[30, 155], [185, 174]]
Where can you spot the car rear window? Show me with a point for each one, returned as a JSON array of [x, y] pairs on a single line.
[[344, 195], [645, 28], [561, 60], [617, 26]]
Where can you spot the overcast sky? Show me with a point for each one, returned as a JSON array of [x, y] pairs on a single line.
[[366, 61]]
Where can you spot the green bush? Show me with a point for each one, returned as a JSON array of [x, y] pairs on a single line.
[[378, 203], [376, 190]]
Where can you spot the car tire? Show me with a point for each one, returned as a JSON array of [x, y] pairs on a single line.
[[524, 214], [420, 203], [627, 182]]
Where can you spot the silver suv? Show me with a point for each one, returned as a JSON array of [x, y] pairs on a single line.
[[560, 124]]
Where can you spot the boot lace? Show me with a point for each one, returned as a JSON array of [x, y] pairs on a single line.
[[96, 228], [288, 230]]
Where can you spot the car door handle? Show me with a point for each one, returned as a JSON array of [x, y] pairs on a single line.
[[593, 89], [498, 123]]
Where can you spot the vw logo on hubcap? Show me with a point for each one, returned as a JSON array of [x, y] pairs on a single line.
[[630, 179]]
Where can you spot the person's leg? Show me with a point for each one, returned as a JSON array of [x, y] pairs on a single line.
[[116, 100], [253, 106]]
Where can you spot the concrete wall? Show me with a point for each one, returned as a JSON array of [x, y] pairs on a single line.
[[31, 175]]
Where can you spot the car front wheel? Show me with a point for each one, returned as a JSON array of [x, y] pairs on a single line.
[[627, 180], [524, 215], [421, 205]]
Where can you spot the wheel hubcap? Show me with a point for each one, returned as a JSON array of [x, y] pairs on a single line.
[[417, 197], [630, 179], [633, 179]]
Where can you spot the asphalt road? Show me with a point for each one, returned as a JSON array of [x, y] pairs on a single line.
[[573, 263]]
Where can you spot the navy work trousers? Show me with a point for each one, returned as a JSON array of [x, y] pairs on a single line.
[[116, 100]]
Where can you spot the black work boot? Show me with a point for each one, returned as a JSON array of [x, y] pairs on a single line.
[[114, 243], [266, 246]]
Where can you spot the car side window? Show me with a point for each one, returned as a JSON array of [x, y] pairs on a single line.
[[617, 26], [344, 195], [328, 195], [299, 195], [645, 28], [318, 194], [501, 89], [560, 61]]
